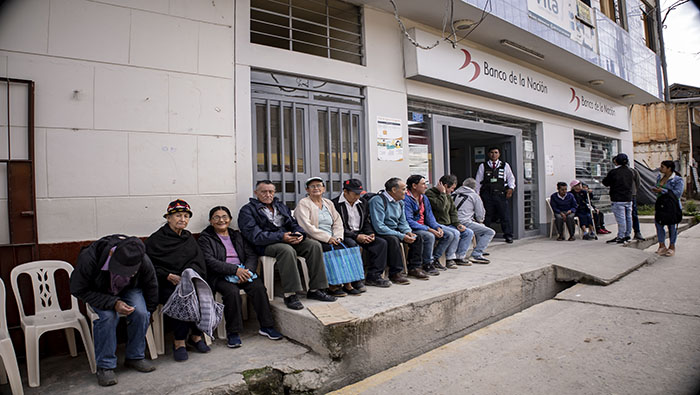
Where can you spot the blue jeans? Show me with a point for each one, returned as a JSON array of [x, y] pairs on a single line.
[[460, 242], [483, 235], [661, 233], [623, 217], [105, 330], [431, 251]]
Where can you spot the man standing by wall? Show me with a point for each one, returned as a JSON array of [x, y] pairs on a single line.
[[621, 181], [495, 182]]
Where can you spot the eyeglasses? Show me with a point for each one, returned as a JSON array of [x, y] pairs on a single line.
[[315, 186], [218, 218]]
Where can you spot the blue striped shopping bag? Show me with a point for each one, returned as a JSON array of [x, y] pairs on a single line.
[[343, 265]]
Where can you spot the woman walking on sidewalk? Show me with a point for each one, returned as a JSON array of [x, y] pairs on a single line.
[[669, 187]]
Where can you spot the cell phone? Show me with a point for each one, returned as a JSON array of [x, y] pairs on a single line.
[[297, 234]]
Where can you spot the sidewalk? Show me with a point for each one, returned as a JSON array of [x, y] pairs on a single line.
[[393, 325], [640, 335]]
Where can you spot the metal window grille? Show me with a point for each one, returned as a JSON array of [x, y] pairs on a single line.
[[593, 161], [328, 28]]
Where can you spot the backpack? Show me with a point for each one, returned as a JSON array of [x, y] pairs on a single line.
[[369, 195], [667, 210]]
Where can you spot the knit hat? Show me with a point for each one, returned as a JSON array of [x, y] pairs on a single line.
[[574, 183], [127, 256], [177, 206]]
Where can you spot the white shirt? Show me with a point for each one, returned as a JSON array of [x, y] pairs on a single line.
[[510, 178], [274, 216], [353, 213]]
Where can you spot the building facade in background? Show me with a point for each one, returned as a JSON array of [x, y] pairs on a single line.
[[140, 102]]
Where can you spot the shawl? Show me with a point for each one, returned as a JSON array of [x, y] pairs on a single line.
[[172, 253]]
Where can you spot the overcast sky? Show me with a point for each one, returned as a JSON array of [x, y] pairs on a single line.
[[682, 39]]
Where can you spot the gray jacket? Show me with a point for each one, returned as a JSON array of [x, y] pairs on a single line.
[[470, 208]]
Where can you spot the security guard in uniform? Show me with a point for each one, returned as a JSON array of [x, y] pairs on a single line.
[[495, 182]]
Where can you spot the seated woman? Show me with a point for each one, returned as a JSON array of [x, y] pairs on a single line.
[[668, 182], [322, 222], [172, 249], [598, 216], [583, 210], [231, 264]]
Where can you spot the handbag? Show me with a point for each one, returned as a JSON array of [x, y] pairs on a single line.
[[182, 306], [343, 265], [667, 211]]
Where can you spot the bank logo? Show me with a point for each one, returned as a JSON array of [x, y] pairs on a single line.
[[467, 61], [574, 97]]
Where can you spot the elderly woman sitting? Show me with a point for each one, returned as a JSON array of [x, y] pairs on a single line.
[[231, 263], [172, 249], [322, 222]]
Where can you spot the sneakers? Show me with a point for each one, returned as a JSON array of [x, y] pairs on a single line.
[[603, 231], [379, 282], [479, 259], [270, 332], [140, 365], [451, 264], [233, 340], [320, 295], [438, 265], [400, 279], [180, 354], [292, 302], [623, 240], [614, 240], [418, 273], [106, 377], [200, 346], [359, 285], [463, 261], [431, 270]]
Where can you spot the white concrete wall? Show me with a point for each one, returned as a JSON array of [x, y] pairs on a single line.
[[134, 107]]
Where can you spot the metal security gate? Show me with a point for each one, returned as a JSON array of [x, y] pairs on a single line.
[[305, 128]]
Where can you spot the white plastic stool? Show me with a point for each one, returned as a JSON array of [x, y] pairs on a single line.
[[48, 314], [268, 267]]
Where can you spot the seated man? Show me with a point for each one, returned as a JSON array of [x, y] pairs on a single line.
[[421, 220], [598, 216], [564, 206], [445, 214], [115, 276], [389, 221], [358, 229], [471, 213], [583, 211], [269, 225]]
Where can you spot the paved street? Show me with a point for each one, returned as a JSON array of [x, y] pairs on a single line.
[[640, 335]]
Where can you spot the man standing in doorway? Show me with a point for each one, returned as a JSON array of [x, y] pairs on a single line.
[[495, 182]]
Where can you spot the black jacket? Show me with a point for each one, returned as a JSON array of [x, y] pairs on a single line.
[[621, 182], [215, 254], [91, 284], [259, 230], [365, 223]]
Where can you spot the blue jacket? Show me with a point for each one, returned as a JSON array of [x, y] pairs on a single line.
[[413, 214], [388, 217], [259, 230], [674, 184], [559, 205]]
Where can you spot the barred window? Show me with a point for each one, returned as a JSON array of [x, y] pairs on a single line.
[[328, 28]]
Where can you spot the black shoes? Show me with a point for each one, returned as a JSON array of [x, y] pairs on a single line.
[[320, 295], [400, 279], [619, 240], [464, 261], [509, 240], [359, 285], [106, 377], [430, 270], [379, 282], [416, 273], [638, 236], [292, 302], [451, 264], [438, 265]]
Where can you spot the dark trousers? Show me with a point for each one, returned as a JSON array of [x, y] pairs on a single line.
[[180, 328], [570, 225], [599, 219], [378, 257], [231, 295], [286, 256], [635, 217], [496, 206]]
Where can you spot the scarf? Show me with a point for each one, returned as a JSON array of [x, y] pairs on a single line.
[[173, 253]]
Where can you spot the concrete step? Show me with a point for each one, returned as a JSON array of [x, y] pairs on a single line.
[[649, 219]]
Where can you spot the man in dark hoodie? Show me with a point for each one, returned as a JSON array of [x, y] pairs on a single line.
[[268, 224], [115, 276], [621, 183]]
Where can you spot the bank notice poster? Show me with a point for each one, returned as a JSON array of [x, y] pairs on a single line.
[[389, 139]]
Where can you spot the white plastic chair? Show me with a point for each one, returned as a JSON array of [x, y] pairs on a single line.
[[150, 339], [8, 360], [551, 224], [268, 273], [48, 315]]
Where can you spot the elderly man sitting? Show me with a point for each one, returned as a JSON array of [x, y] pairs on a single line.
[[471, 213]]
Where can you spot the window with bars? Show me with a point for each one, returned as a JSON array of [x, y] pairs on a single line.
[[616, 10], [593, 161], [328, 28]]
